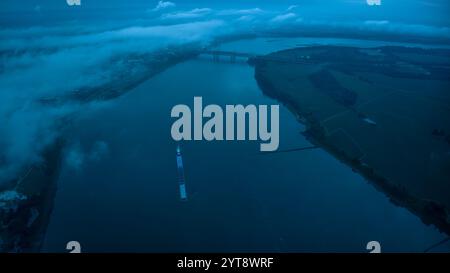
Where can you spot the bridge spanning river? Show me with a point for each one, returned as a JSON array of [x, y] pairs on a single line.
[[216, 54], [233, 55]]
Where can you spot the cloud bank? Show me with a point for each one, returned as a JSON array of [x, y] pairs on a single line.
[[77, 156], [163, 5], [56, 64], [48, 61]]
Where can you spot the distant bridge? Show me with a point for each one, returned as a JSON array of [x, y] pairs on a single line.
[[232, 55], [216, 54]]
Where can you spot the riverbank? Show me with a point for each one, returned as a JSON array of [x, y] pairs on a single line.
[[339, 124], [26, 203], [26, 207], [273, 202]]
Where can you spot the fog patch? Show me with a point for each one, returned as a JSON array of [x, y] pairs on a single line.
[[78, 156], [163, 5], [55, 64]]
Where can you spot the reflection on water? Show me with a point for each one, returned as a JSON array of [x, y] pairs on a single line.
[[240, 200]]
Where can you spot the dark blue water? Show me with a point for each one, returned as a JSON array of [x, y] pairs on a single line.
[[239, 200]]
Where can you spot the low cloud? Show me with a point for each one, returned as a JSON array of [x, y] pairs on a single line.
[[381, 26], [77, 156], [191, 14], [246, 18], [283, 17], [406, 29], [98, 151], [241, 12], [292, 7], [163, 5], [53, 64]]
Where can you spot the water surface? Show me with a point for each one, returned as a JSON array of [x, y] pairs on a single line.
[[127, 198]]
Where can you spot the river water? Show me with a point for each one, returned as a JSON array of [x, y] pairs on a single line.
[[124, 196]]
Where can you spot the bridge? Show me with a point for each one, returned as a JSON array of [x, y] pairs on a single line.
[[216, 54], [232, 55]]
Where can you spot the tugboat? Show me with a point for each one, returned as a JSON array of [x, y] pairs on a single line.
[[181, 181]]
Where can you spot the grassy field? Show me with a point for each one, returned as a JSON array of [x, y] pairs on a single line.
[[385, 111]]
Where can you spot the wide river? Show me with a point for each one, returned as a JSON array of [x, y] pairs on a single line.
[[118, 188]]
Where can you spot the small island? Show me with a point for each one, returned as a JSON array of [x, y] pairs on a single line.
[[383, 111]]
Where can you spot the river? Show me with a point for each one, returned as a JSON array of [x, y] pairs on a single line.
[[126, 198]]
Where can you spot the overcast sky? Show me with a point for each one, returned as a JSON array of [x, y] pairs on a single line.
[[408, 11]]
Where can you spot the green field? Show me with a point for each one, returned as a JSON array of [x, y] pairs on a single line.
[[384, 111]]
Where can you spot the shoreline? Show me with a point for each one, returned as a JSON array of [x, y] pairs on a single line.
[[429, 211], [24, 219], [25, 216]]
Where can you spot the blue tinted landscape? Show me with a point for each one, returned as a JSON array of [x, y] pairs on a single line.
[[86, 152]]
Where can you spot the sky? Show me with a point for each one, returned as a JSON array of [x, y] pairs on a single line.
[[407, 11], [51, 49]]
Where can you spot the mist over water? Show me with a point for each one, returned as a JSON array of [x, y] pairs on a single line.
[[239, 199], [49, 50]]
